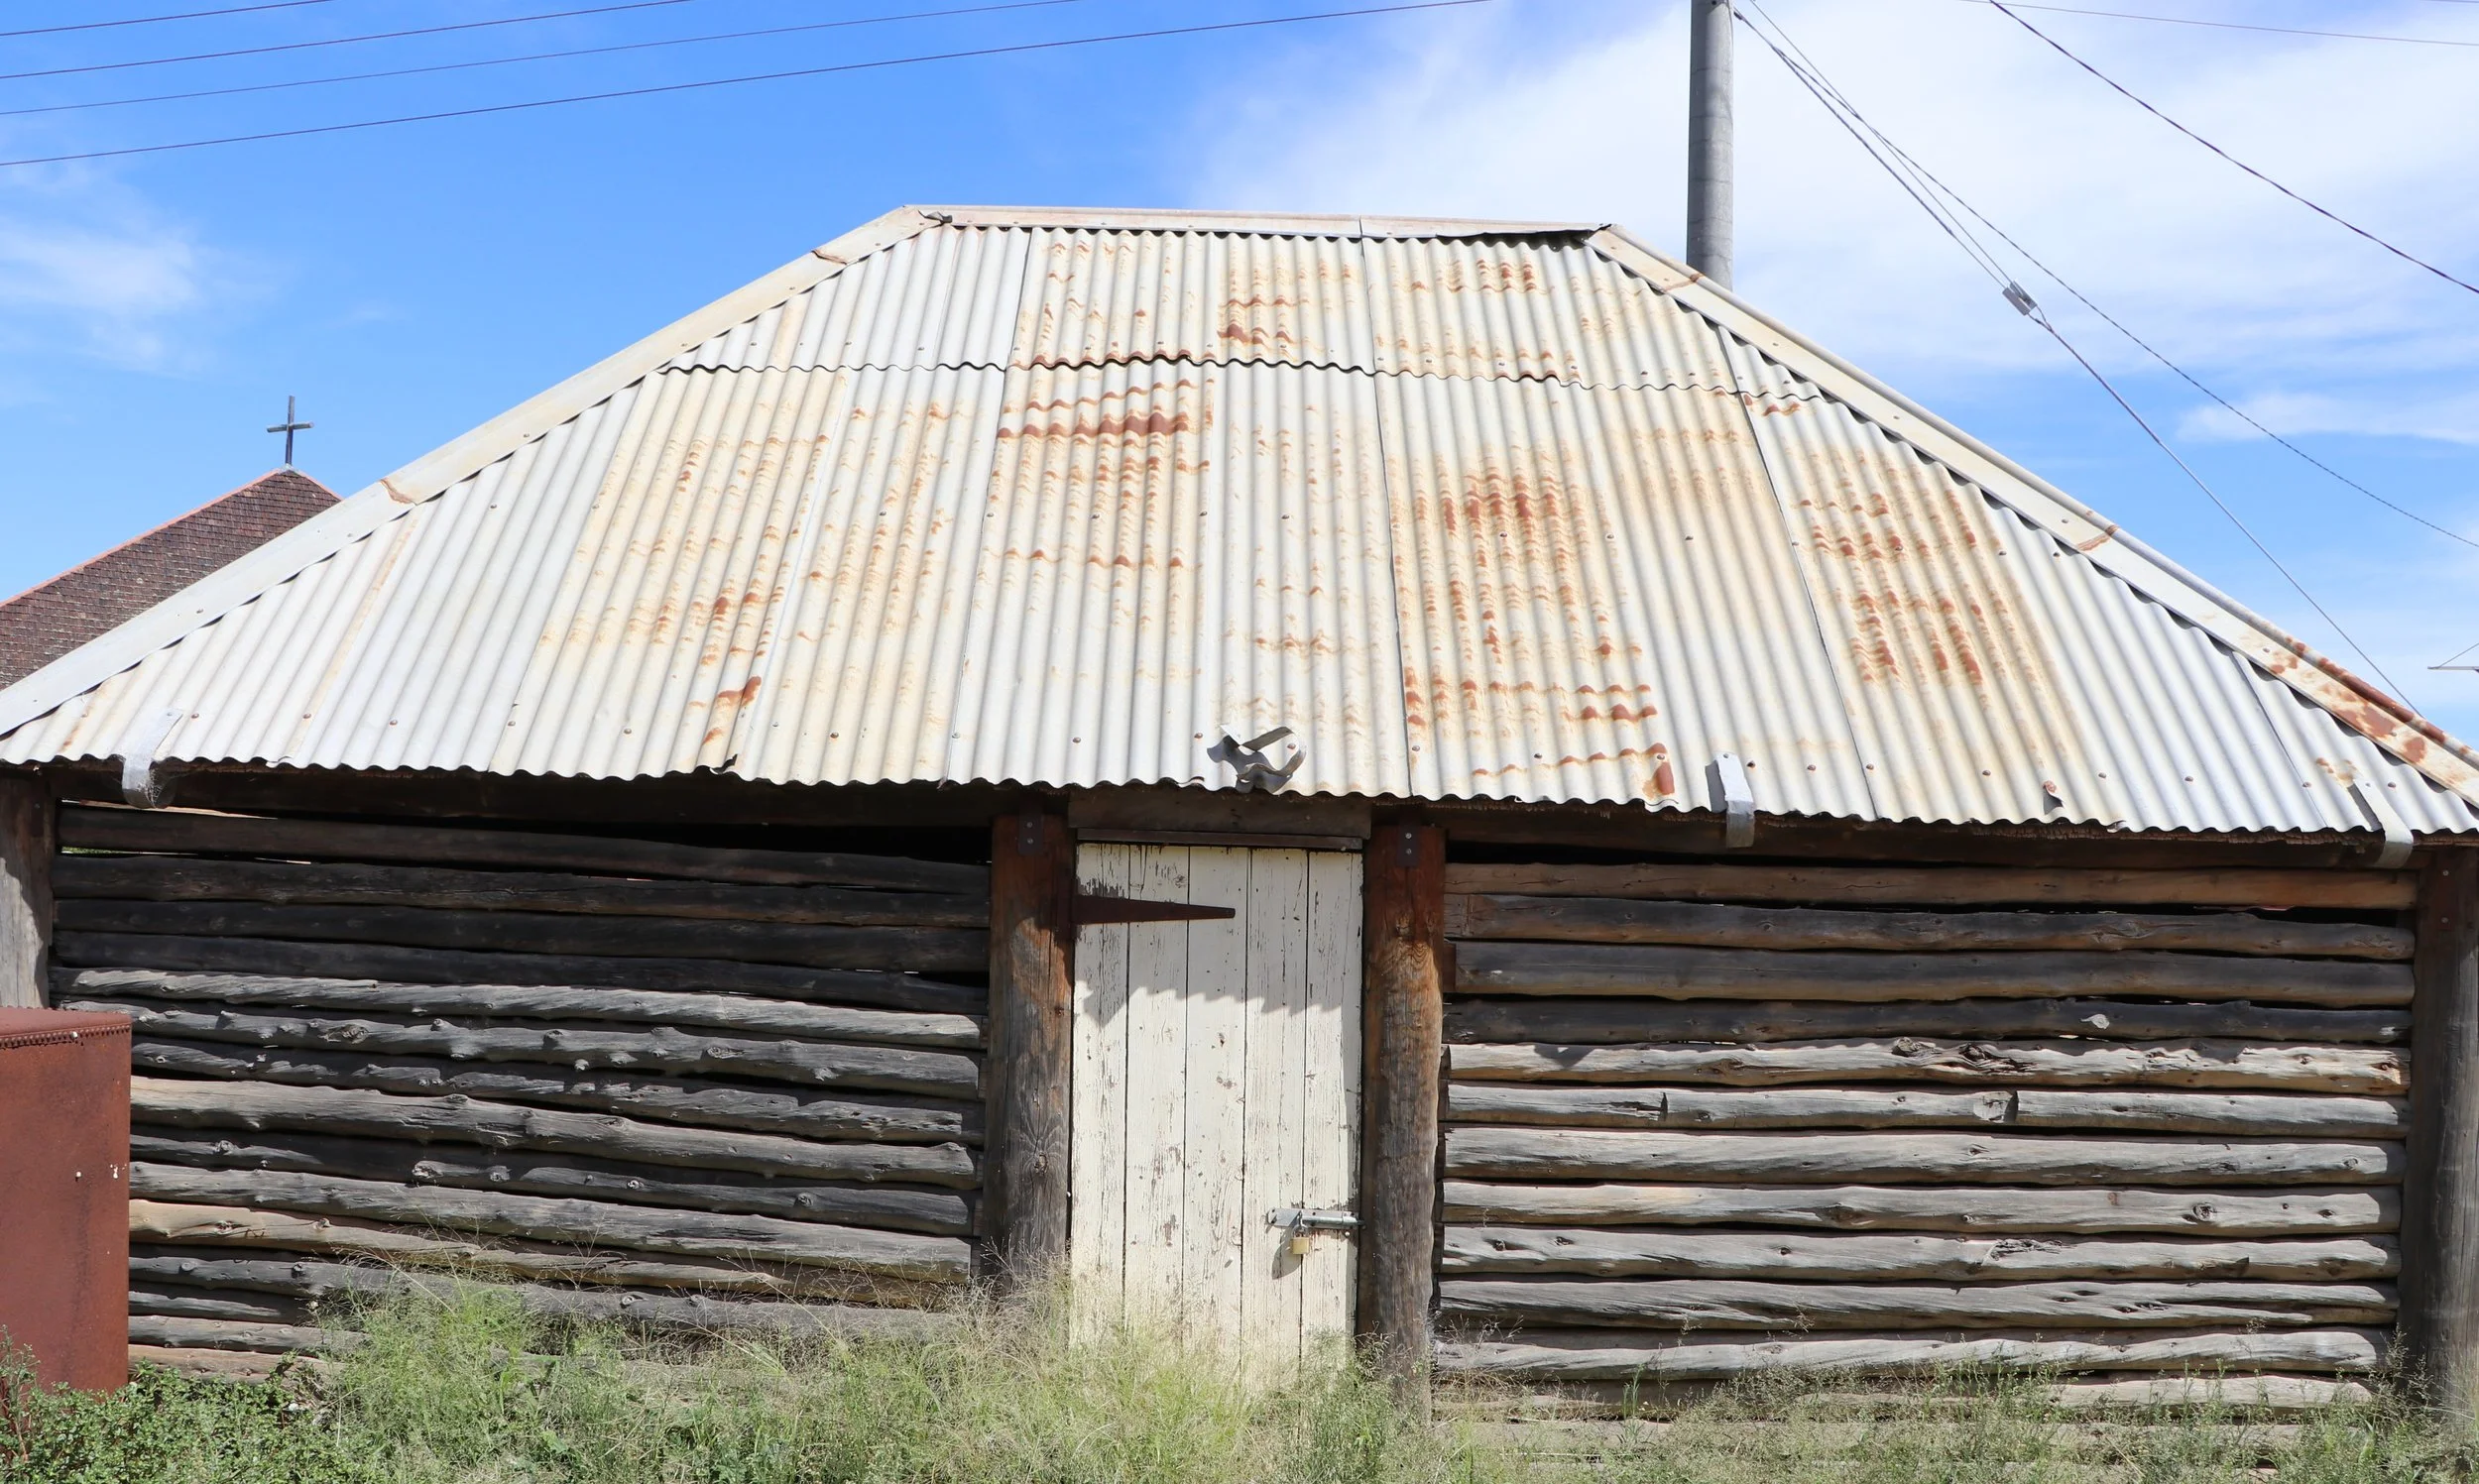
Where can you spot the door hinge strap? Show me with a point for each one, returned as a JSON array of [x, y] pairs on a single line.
[[1099, 911]]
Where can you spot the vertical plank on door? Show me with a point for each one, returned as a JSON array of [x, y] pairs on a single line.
[[1271, 1142], [1157, 1080], [1331, 1118], [1217, 1057], [1097, 1172]]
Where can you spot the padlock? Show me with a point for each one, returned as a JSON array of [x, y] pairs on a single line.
[[1299, 1242]]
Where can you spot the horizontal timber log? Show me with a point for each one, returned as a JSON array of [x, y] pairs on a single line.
[[219, 1365], [197, 1304], [817, 1064], [731, 1012], [1940, 886], [171, 1332], [1600, 1355], [161, 1228], [894, 1207], [435, 966], [1911, 1158], [900, 1256], [1616, 1021], [1603, 1253], [1964, 1208], [2070, 1064], [178, 831], [1707, 1304], [1573, 919], [171, 878], [915, 949], [2237, 1114], [712, 1105], [260, 1107], [1760, 974]]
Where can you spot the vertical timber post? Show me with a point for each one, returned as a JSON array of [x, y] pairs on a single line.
[[1033, 862], [2441, 1189], [1711, 208], [25, 891], [1403, 1013]]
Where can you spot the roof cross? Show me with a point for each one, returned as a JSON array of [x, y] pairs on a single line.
[[291, 424]]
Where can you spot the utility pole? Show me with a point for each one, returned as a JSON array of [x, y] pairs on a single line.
[[1708, 225]]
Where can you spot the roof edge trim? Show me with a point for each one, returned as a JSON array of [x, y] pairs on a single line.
[[426, 478], [2381, 719], [1268, 223]]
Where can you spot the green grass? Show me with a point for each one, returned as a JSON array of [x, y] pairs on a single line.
[[462, 1387]]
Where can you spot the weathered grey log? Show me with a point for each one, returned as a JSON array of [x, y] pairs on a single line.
[[261, 1106], [1955, 1208], [173, 878], [27, 858], [1948, 885], [808, 1063], [1604, 1356], [1760, 974], [172, 831], [1707, 1305], [915, 949], [192, 1229], [729, 1012], [853, 1203], [1571, 919], [701, 1314], [774, 1110], [2232, 1113], [1603, 1253], [900, 1256], [291, 1277], [2070, 1064], [1909, 1158], [1610, 1022], [435, 965], [173, 1332], [2218, 1393], [195, 1304]]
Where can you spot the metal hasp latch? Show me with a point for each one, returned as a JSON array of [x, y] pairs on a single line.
[[1304, 1221], [1248, 760]]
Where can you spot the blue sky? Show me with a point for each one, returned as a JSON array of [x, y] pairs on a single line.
[[409, 282]]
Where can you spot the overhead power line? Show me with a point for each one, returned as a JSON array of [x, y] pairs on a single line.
[[187, 15], [1920, 188], [501, 62], [657, 90], [2345, 36], [2329, 215]]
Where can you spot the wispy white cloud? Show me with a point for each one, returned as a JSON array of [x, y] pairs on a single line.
[[88, 269]]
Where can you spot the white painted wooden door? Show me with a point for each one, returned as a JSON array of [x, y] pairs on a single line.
[[1217, 1079]]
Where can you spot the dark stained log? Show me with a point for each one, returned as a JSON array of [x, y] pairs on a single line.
[[174, 1333], [713, 1104], [209, 1231], [1911, 1158], [1727, 1305], [917, 949], [197, 1304], [174, 879], [1402, 1008], [1607, 1355], [428, 965], [1608, 1022], [900, 1256], [1758, 973], [293, 1277], [1031, 950], [536, 1002], [182, 831], [26, 863], [893, 1207], [1603, 1253], [1620, 920], [2086, 1063], [1964, 1208], [263, 1106], [2440, 1195], [1938, 886], [659, 1049], [2234, 1114]]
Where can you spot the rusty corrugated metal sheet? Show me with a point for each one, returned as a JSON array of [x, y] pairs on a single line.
[[1062, 499]]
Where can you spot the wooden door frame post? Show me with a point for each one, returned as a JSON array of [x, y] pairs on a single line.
[[1033, 945], [1402, 1009], [2439, 1336], [26, 845]]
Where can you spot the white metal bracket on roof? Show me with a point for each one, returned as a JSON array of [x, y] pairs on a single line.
[[1248, 760], [1725, 778], [143, 784], [2397, 846]]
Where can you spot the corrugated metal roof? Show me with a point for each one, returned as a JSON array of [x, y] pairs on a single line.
[[1479, 512]]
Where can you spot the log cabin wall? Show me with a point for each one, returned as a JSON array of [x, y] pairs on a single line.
[[1703, 1120], [681, 1084]]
